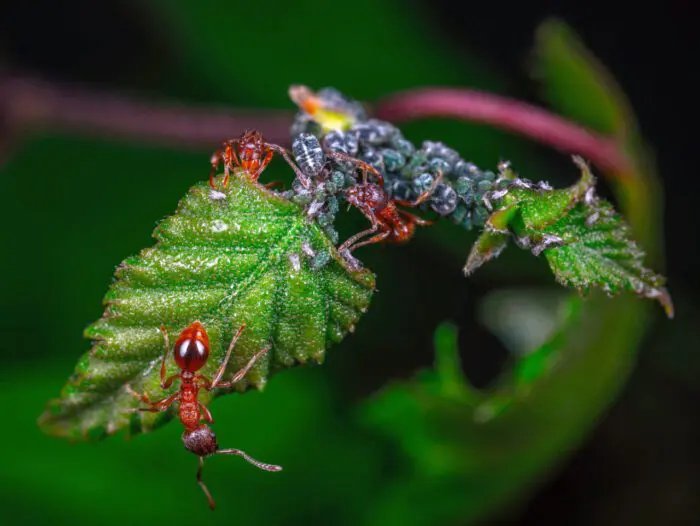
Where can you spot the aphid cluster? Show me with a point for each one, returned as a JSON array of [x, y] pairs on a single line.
[[341, 155], [407, 171], [338, 155]]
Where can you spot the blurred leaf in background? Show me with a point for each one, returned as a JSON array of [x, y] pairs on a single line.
[[422, 450]]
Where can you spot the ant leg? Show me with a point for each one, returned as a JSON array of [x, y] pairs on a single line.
[[414, 218], [206, 414], [422, 197], [216, 159], [348, 242], [344, 157], [222, 368], [143, 397], [212, 505], [161, 405], [257, 463], [225, 155], [156, 406], [376, 225], [268, 156], [374, 239], [303, 178], [240, 374], [165, 383], [231, 160]]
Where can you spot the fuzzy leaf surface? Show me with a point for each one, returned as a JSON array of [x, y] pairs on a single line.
[[250, 258], [601, 255], [587, 244]]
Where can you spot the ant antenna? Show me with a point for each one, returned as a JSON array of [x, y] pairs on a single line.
[[257, 463]]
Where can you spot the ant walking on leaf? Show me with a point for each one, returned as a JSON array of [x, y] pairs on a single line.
[[191, 352], [389, 223], [251, 154]]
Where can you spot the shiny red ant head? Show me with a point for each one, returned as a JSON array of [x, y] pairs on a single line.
[[192, 348], [366, 195]]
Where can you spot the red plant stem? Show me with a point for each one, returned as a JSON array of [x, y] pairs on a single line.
[[30, 105], [508, 114]]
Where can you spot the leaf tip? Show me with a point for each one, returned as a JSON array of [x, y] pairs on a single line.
[[489, 246], [662, 295]]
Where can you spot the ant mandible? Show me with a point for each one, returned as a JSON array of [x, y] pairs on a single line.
[[191, 352], [392, 224], [250, 153]]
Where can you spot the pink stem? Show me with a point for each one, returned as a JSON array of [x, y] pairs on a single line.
[[30, 104], [519, 117]]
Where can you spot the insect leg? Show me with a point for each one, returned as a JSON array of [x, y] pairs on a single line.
[[376, 225], [344, 157], [414, 218], [166, 350], [222, 368], [257, 463], [240, 374], [212, 505], [268, 156], [374, 239], [206, 414], [216, 159], [422, 197], [303, 178], [154, 407]]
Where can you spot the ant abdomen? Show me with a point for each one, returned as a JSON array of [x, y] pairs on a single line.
[[200, 441]]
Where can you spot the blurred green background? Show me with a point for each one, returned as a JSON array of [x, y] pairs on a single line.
[[363, 439]]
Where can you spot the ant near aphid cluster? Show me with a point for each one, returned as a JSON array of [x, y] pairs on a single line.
[[191, 352], [317, 168], [315, 165]]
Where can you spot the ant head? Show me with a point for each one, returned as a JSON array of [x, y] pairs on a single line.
[[366, 195], [200, 441], [251, 139], [192, 348]]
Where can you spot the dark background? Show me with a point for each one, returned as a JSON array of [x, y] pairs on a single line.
[[641, 465]]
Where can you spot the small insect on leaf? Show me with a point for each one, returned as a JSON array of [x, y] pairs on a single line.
[[242, 257]]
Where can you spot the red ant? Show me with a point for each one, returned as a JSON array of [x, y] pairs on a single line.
[[250, 153], [394, 225], [191, 353]]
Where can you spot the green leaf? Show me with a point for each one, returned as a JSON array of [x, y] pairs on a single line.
[[602, 255], [244, 256], [575, 81], [586, 242]]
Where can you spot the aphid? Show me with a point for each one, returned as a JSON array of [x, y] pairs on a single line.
[[191, 352], [444, 200], [389, 223], [308, 154], [312, 158], [251, 154]]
